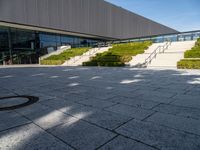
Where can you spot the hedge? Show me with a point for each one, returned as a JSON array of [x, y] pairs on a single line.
[[194, 52], [52, 62], [189, 64], [105, 59], [106, 64]]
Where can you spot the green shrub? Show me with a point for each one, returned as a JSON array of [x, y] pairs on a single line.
[[106, 64], [194, 52], [52, 62], [118, 55], [111, 64], [189, 64], [197, 44], [105, 59], [90, 63], [126, 58]]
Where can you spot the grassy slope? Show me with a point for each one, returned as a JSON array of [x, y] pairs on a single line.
[[66, 55], [119, 54]]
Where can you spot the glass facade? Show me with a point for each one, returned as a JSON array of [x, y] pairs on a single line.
[[19, 46], [4, 45], [187, 36]]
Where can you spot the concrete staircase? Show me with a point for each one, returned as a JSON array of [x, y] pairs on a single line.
[[140, 59], [78, 60], [168, 59], [172, 55]]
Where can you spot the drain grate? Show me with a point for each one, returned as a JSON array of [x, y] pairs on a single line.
[[29, 101]]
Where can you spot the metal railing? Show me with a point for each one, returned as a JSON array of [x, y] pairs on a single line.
[[175, 37], [158, 50]]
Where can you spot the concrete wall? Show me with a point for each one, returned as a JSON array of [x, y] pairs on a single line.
[[93, 17]]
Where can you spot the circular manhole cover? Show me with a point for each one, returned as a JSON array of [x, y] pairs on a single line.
[[15, 102]]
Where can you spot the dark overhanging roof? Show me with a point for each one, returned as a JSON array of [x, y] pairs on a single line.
[[86, 17]]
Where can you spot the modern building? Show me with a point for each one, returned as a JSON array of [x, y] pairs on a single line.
[[32, 28]]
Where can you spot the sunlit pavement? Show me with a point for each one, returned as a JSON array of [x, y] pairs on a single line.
[[100, 108]]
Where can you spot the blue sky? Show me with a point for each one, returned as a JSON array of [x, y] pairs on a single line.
[[182, 15]]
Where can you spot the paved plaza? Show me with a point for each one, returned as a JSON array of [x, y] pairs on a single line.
[[100, 108]]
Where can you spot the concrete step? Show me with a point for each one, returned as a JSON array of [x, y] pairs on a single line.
[[169, 58], [172, 55]]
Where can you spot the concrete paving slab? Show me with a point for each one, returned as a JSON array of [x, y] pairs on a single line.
[[105, 119], [45, 117], [187, 101], [30, 137], [130, 111], [159, 136], [179, 123], [10, 119], [122, 143], [82, 135], [99, 107], [71, 108], [96, 103], [154, 93], [136, 102], [186, 112]]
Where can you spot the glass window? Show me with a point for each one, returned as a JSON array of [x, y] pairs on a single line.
[[172, 38], [48, 43], [48, 37], [66, 40], [4, 44], [159, 39], [76, 42], [26, 46], [3, 38], [22, 39], [180, 38], [196, 35], [23, 46]]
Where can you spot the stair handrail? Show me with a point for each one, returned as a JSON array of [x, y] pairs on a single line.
[[158, 50]]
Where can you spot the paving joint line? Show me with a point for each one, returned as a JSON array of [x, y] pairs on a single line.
[[47, 131], [178, 130], [107, 142], [16, 126], [156, 106], [149, 116], [123, 124]]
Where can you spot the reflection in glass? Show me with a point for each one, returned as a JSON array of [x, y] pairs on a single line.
[[20, 46], [4, 45], [27, 46]]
